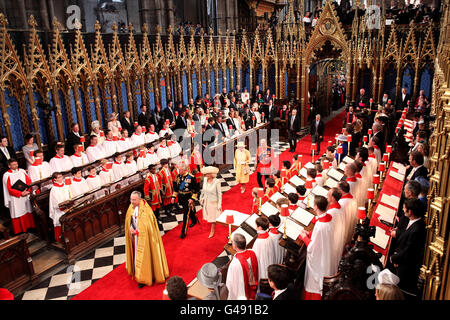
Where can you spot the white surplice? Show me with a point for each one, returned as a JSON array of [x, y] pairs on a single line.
[[137, 140], [339, 233], [265, 253], [151, 136], [319, 258], [235, 279], [94, 182], [106, 176], [110, 147], [131, 167], [163, 152], [39, 172], [79, 161], [95, 153], [17, 205], [78, 187], [60, 164], [349, 206], [119, 169], [275, 236], [58, 193]]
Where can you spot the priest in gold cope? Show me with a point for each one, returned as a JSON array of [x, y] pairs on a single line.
[[146, 258]]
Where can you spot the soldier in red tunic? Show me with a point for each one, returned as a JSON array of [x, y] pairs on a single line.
[[166, 180], [152, 190]]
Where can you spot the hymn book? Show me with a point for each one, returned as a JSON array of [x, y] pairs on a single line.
[[392, 201], [276, 196], [251, 221], [302, 216], [297, 181], [293, 229], [342, 165], [240, 230], [398, 166], [268, 209], [288, 188], [396, 175], [336, 175], [319, 191], [331, 183], [303, 172], [347, 159], [309, 165], [381, 239], [386, 214]]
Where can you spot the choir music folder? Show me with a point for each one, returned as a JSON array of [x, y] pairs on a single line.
[[276, 196], [386, 214], [293, 229], [303, 216], [336, 175], [297, 181], [19, 185], [268, 209], [331, 183], [288, 188], [381, 239]]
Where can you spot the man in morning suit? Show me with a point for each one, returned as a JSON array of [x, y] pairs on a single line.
[[317, 129], [416, 168], [293, 124], [126, 122], [73, 138], [169, 113], [279, 281], [408, 251], [144, 117]]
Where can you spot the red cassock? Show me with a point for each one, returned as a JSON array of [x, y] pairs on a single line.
[[166, 185], [195, 164], [175, 173], [152, 191], [278, 184], [255, 205]]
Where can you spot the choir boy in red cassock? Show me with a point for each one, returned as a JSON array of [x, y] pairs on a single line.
[[16, 197]]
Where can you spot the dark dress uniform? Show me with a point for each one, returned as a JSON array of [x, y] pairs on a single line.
[[186, 188]]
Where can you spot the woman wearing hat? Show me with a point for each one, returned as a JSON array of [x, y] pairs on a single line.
[[211, 197], [95, 125], [211, 277], [114, 125], [241, 162]]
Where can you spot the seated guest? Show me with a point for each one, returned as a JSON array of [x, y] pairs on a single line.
[[40, 169], [163, 151], [79, 158], [211, 278], [79, 185], [138, 138], [59, 193], [95, 150], [60, 162], [319, 256], [27, 149], [243, 274], [95, 125], [118, 167], [93, 180], [124, 142], [114, 124], [176, 288], [152, 156], [6, 153], [130, 164], [106, 175], [110, 145], [151, 135], [263, 247], [275, 236], [280, 282], [408, 251]]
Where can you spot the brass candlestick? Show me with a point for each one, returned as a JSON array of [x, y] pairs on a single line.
[[229, 233], [284, 233]]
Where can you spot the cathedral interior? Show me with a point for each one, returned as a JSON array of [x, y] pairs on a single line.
[[77, 61]]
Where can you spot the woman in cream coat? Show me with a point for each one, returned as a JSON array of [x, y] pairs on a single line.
[[211, 197], [241, 165]]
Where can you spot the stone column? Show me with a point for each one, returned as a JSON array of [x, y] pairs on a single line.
[[44, 15], [23, 14]]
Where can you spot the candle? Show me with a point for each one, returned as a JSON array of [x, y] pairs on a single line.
[[313, 146], [308, 184], [381, 167], [370, 194], [144, 129], [82, 139], [349, 138], [176, 113], [260, 192], [68, 181], [284, 212], [370, 131], [361, 213], [376, 179], [135, 124], [371, 100], [80, 148], [340, 150], [109, 164], [386, 157], [115, 138], [330, 143], [365, 138], [102, 134], [389, 149]]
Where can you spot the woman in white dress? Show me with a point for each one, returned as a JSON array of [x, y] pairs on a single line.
[[211, 197]]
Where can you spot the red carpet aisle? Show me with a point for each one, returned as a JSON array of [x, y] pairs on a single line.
[[185, 257]]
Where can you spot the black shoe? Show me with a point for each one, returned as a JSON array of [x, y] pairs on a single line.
[[192, 224], [141, 285], [182, 236]]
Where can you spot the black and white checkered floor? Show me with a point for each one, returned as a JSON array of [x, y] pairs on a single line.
[[74, 278]]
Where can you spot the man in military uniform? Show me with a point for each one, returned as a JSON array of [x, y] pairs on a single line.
[[185, 186]]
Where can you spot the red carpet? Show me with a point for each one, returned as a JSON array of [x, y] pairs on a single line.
[[186, 256]]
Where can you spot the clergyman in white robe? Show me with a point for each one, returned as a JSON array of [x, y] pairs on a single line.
[[264, 250]]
